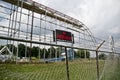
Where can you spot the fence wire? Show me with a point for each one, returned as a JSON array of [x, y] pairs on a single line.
[[26, 31], [79, 68]]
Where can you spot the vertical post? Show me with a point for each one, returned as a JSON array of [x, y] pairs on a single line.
[[97, 64], [40, 36], [56, 54], [21, 6], [39, 53], [31, 32], [111, 44], [67, 67], [27, 35], [44, 54], [72, 52], [85, 52], [97, 58]]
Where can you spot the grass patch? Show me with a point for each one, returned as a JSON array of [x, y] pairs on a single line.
[[112, 71], [79, 70]]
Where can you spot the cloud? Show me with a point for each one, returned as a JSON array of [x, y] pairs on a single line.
[[101, 16]]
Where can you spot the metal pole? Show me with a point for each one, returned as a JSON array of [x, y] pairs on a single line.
[[67, 67], [26, 49], [31, 33], [21, 6], [40, 36], [97, 59], [97, 63]]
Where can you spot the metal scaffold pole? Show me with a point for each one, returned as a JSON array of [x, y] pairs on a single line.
[[19, 27], [31, 34]]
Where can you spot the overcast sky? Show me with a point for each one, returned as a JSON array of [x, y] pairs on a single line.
[[102, 17]]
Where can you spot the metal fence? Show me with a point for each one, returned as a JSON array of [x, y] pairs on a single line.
[[68, 68], [28, 50]]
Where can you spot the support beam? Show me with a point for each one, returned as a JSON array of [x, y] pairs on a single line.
[[36, 42], [39, 10]]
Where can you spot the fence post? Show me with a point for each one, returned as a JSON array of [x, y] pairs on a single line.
[[67, 67], [97, 64], [97, 58]]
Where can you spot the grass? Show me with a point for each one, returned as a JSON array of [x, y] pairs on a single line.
[[78, 70], [112, 71]]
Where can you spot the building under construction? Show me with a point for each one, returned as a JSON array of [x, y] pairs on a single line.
[[25, 22]]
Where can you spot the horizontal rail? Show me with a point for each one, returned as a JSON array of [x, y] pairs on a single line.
[[46, 12], [36, 42]]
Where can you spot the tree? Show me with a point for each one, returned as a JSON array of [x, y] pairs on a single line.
[[21, 50], [77, 53], [81, 53], [51, 52], [58, 51], [35, 51], [28, 51], [87, 54], [102, 56], [44, 53]]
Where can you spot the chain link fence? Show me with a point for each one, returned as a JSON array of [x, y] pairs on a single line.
[[28, 50], [81, 66]]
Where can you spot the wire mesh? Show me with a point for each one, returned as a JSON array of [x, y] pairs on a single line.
[[38, 26], [111, 67], [26, 29]]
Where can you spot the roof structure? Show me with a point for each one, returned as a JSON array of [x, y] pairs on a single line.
[[42, 9]]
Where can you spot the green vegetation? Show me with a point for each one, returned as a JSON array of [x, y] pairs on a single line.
[[81, 53], [34, 51], [102, 56], [78, 69], [112, 71]]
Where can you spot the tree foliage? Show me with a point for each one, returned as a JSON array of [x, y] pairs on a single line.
[[102, 56], [35, 51], [51, 52], [21, 50], [82, 53]]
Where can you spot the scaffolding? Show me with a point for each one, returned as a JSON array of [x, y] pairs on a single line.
[[31, 22], [39, 23], [27, 25]]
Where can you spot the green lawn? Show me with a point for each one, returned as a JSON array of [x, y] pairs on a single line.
[[112, 70], [78, 69]]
